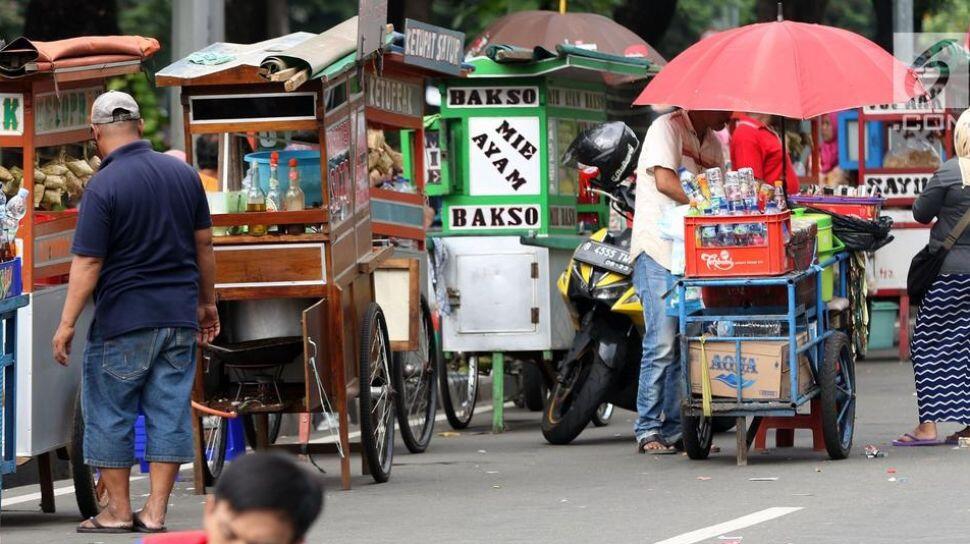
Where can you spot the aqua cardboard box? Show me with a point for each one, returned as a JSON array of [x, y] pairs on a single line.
[[764, 369]]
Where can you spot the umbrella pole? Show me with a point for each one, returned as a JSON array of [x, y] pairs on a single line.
[[784, 158]]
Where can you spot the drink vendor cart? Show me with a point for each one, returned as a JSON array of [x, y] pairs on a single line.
[[502, 131], [395, 99], [301, 331], [46, 89]]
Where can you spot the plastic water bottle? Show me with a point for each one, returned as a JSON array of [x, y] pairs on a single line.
[[17, 206]]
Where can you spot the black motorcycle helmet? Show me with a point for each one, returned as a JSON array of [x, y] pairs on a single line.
[[612, 147]]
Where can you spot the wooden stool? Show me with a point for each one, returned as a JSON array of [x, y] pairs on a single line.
[[785, 429]]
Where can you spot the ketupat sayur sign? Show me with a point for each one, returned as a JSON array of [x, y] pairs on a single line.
[[67, 110], [504, 156], [433, 47], [12, 105], [395, 96]]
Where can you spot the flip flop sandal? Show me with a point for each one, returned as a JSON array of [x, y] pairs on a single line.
[[140, 527], [914, 442], [101, 529]]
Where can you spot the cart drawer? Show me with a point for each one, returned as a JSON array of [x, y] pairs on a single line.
[[270, 265]]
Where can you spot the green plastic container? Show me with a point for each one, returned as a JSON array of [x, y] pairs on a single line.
[[828, 245], [882, 324]]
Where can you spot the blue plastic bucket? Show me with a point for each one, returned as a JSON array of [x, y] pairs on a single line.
[[307, 162]]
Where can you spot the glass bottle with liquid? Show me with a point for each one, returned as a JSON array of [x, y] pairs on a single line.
[[294, 199], [274, 200], [255, 201]]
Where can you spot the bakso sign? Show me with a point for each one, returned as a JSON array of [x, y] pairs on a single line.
[[503, 156], [494, 217], [433, 47], [493, 97]]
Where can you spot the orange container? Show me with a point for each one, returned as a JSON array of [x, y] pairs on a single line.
[[762, 254]]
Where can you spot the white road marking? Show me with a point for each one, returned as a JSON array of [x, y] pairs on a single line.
[[729, 526], [69, 489]]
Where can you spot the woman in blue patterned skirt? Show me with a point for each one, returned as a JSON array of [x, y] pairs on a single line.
[[941, 340]]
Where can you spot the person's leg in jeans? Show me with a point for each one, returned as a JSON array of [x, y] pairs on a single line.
[[650, 281], [168, 425], [114, 374]]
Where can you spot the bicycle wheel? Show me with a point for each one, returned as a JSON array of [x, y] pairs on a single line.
[[249, 428], [459, 389], [836, 378], [89, 492], [376, 394], [416, 394], [214, 437]]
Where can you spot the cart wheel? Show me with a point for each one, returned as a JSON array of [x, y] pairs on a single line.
[[459, 389], [533, 386], [415, 386], [603, 414], [215, 434], [249, 428], [698, 436], [836, 378], [376, 392], [90, 494]]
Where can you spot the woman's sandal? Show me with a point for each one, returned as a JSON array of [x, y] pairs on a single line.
[[667, 449]]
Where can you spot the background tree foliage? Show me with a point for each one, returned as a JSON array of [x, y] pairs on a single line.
[[668, 25]]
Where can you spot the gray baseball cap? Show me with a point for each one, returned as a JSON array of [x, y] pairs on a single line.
[[113, 107]]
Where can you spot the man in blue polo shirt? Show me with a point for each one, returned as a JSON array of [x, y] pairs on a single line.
[[143, 247]]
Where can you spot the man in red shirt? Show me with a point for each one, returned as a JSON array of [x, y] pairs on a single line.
[[260, 498], [755, 145]]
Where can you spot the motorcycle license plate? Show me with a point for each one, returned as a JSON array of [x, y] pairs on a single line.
[[601, 255]]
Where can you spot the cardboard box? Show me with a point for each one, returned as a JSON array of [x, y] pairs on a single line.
[[764, 373]]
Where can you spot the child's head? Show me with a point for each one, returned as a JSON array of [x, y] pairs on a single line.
[[263, 498]]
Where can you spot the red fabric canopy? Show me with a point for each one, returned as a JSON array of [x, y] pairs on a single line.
[[82, 51], [796, 70]]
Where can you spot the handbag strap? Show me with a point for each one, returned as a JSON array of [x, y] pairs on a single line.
[[957, 231]]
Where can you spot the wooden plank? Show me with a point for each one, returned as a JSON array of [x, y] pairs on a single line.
[[269, 264], [45, 475], [253, 126], [375, 259], [296, 80], [742, 441], [339, 380], [63, 138], [396, 196], [270, 238], [392, 120], [312, 216], [277, 77]]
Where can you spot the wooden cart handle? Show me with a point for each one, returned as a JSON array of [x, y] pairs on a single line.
[[212, 412]]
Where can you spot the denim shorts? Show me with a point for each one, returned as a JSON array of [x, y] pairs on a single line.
[[153, 369]]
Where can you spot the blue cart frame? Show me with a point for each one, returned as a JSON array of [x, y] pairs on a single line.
[[813, 319], [8, 380]]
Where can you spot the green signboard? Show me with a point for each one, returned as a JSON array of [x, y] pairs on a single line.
[[13, 114]]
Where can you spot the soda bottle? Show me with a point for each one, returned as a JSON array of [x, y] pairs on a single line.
[[255, 201], [765, 194], [780, 196], [17, 206], [709, 236], [693, 211], [294, 199], [703, 185], [732, 189], [742, 234]]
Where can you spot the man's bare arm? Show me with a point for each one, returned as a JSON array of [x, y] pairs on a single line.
[[84, 278], [669, 184], [207, 266]]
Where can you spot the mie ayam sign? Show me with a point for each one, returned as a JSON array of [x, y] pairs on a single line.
[[433, 47], [504, 156]]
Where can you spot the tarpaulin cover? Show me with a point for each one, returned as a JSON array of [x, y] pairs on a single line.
[[83, 51], [317, 53]]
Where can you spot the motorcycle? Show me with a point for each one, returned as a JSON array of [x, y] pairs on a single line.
[[603, 363]]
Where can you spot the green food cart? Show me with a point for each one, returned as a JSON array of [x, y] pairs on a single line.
[[502, 132]]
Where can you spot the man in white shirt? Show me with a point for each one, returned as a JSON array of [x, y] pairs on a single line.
[[679, 139]]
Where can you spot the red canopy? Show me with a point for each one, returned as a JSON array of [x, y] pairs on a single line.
[[796, 70], [83, 51]]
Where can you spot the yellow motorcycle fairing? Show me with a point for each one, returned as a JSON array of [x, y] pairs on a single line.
[[629, 305]]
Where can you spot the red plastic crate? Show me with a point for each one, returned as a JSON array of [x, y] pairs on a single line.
[[767, 259], [867, 208]]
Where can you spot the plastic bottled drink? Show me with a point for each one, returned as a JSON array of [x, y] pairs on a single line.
[[780, 196], [732, 191], [693, 211], [17, 206], [294, 199], [715, 181], [709, 236], [255, 201]]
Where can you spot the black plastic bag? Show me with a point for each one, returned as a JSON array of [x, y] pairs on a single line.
[[859, 234], [611, 147]]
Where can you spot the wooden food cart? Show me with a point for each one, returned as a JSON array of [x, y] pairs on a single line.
[[46, 92], [315, 288], [395, 105]]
